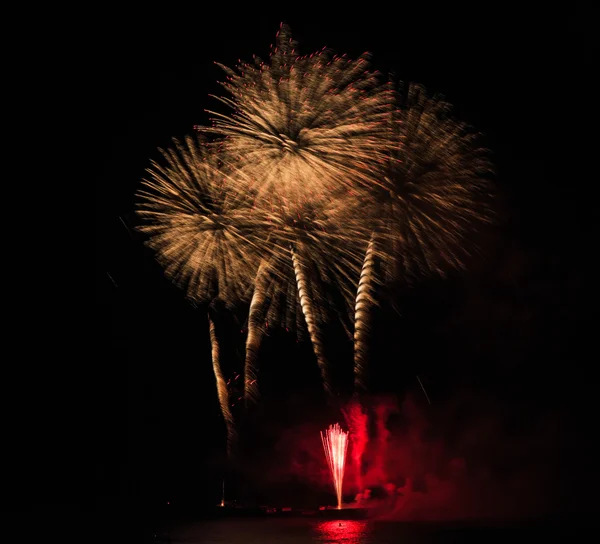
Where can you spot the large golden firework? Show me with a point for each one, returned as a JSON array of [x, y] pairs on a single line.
[[319, 172], [439, 182], [304, 126], [206, 235], [435, 195], [304, 133]]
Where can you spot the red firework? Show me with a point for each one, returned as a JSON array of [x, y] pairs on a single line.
[[335, 444]]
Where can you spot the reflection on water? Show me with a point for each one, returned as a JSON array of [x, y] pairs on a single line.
[[280, 531], [346, 531], [302, 530]]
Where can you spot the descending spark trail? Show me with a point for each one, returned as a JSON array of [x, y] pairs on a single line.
[[364, 299], [255, 333], [335, 444], [421, 384], [307, 309], [222, 392]]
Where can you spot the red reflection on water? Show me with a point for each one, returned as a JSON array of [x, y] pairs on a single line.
[[347, 531]]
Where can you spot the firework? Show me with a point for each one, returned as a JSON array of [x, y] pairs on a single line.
[[437, 194], [335, 444], [305, 132], [321, 184], [206, 234], [440, 192], [304, 126]]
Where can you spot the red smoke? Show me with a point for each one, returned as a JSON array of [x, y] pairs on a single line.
[[357, 422], [467, 460]]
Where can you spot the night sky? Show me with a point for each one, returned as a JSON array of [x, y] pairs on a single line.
[[514, 327]]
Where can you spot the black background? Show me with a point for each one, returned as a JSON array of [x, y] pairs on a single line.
[[517, 323]]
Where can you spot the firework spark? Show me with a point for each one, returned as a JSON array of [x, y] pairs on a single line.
[[335, 444]]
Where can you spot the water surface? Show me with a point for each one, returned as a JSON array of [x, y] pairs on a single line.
[[305, 530]]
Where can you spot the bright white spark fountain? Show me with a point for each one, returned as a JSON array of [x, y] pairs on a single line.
[[335, 444]]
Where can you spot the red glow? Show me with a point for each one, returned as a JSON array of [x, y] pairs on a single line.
[[348, 531], [357, 421], [335, 444]]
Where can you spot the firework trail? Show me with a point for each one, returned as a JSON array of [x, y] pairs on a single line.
[[325, 244], [423, 388], [255, 333], [222, 391], [275, 304], [206, 234], [281, 306], [290, 293], [306, 303], [335, 444], [364, 299], [437, 194]]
